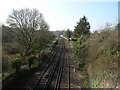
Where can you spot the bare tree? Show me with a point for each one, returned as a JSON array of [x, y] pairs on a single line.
[[27, 21]]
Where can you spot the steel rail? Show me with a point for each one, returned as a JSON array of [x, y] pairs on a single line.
[[58, 80], [49, 80], [54, 68], [45, 70], [52, 74], [59, 75]]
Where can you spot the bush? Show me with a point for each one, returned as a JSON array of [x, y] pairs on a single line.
[[11, 48], [97, 53], [43, 55], [74, 39], [30, 61], [13, 51], [81, 51], [36, 64], [95, 83], [102, 56], [16, 64], [81, 65]]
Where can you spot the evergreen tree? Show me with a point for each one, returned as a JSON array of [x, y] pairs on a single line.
[[68, 33], [83, 27]]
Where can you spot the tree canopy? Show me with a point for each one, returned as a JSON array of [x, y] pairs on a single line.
[[68, 33], [83, 27], [28, 23], [26, 19]]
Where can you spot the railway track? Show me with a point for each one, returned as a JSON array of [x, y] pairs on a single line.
[[52, 74]]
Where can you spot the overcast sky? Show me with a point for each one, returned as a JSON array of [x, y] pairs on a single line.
[[61, 14]]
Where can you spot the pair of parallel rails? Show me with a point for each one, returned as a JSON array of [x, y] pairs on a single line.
[[52, 74]]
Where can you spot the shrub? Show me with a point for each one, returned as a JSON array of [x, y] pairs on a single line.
[[81, 65], [30, 61], [43, 55], [11, 48], [102, 56], [84, 77], [36, 64], [74, 39], [81, 51], [81, 47], [16, 64], [95, 83]]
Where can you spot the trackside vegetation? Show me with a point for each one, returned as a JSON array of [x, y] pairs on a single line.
[[25, 42], [96, 54], [28, 44]]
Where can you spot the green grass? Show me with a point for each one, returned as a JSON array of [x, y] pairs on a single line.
[[95, 83], [84, 77], [109, 74], [36, 64]]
